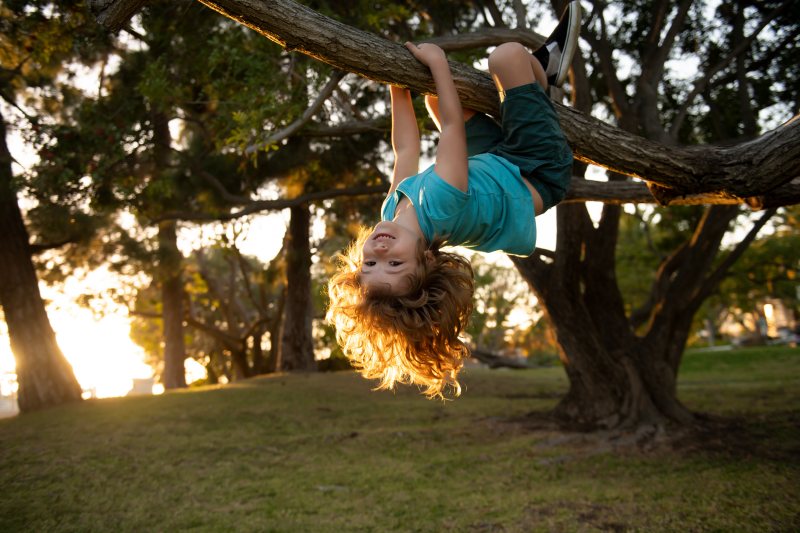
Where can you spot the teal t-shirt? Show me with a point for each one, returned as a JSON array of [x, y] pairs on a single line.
[[496, 212]]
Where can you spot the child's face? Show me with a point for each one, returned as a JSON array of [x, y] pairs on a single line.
[[390, 256]]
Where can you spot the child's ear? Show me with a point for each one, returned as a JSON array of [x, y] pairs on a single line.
[[429, 257]]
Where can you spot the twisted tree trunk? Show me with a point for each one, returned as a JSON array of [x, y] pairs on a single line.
[[622, 367]]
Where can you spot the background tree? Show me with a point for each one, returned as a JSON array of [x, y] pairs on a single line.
[[496, 334], [233, 308], [38, 38], [619, 378], [139, 166], [768, 270]]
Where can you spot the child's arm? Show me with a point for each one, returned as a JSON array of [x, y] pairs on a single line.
[[405, 136], [451, 154]]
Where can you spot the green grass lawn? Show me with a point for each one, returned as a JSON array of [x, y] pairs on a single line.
[[325, 453]]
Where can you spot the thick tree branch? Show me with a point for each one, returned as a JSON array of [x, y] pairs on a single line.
[[37, 248], [749, 169], [660, 286], [344, 129], [145, 314], [497, 17], [702, 249], [742, 171], [661, 51], [581, 190], [520, 12], [487, 37], [224, 338], [601, 47], [225, 194]]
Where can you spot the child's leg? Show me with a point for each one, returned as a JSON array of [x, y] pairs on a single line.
[[532, 136], [511, 65], [432, 105]]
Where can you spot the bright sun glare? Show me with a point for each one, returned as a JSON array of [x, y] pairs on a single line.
[[104, 358], [100, 351]]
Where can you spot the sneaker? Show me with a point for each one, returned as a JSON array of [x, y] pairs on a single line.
[[556, 53]]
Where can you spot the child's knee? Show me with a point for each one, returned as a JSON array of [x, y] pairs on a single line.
[[506, 54]]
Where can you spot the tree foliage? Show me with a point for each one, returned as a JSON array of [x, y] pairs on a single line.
[[36, 41]]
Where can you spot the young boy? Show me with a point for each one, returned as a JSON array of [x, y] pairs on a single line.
[[398, 302]]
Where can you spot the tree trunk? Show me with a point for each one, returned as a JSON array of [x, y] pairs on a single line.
[[241, 368], [619, 379], [211, 368], [275, 328], [616, 379], [297, 347], [259, 359], [169, 270], [44, 375]]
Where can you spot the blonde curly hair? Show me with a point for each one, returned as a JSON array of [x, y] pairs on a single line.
[[410, 338]]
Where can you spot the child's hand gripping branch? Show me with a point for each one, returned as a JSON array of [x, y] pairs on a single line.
[[451, 153], [398, 302]]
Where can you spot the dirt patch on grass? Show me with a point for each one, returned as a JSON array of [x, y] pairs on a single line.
[[586, 514], [773, 437]]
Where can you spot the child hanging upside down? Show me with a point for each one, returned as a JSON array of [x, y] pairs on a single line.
[[398, 302]]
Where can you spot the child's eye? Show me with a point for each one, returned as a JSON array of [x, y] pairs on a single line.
[[395, 263], [369, 263]]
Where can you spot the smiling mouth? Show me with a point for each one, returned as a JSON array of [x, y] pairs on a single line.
[[381, 236]]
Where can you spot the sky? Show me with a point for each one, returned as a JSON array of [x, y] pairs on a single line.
[[99, 349]]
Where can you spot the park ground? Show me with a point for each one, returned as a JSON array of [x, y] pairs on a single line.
[[326, 453]]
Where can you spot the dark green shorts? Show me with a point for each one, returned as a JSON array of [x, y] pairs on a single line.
[[529, 136]]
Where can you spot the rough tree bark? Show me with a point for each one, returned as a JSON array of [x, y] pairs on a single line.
[[114, 14], [44, 375], [275, 327], [618, 378], [297, 346]]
